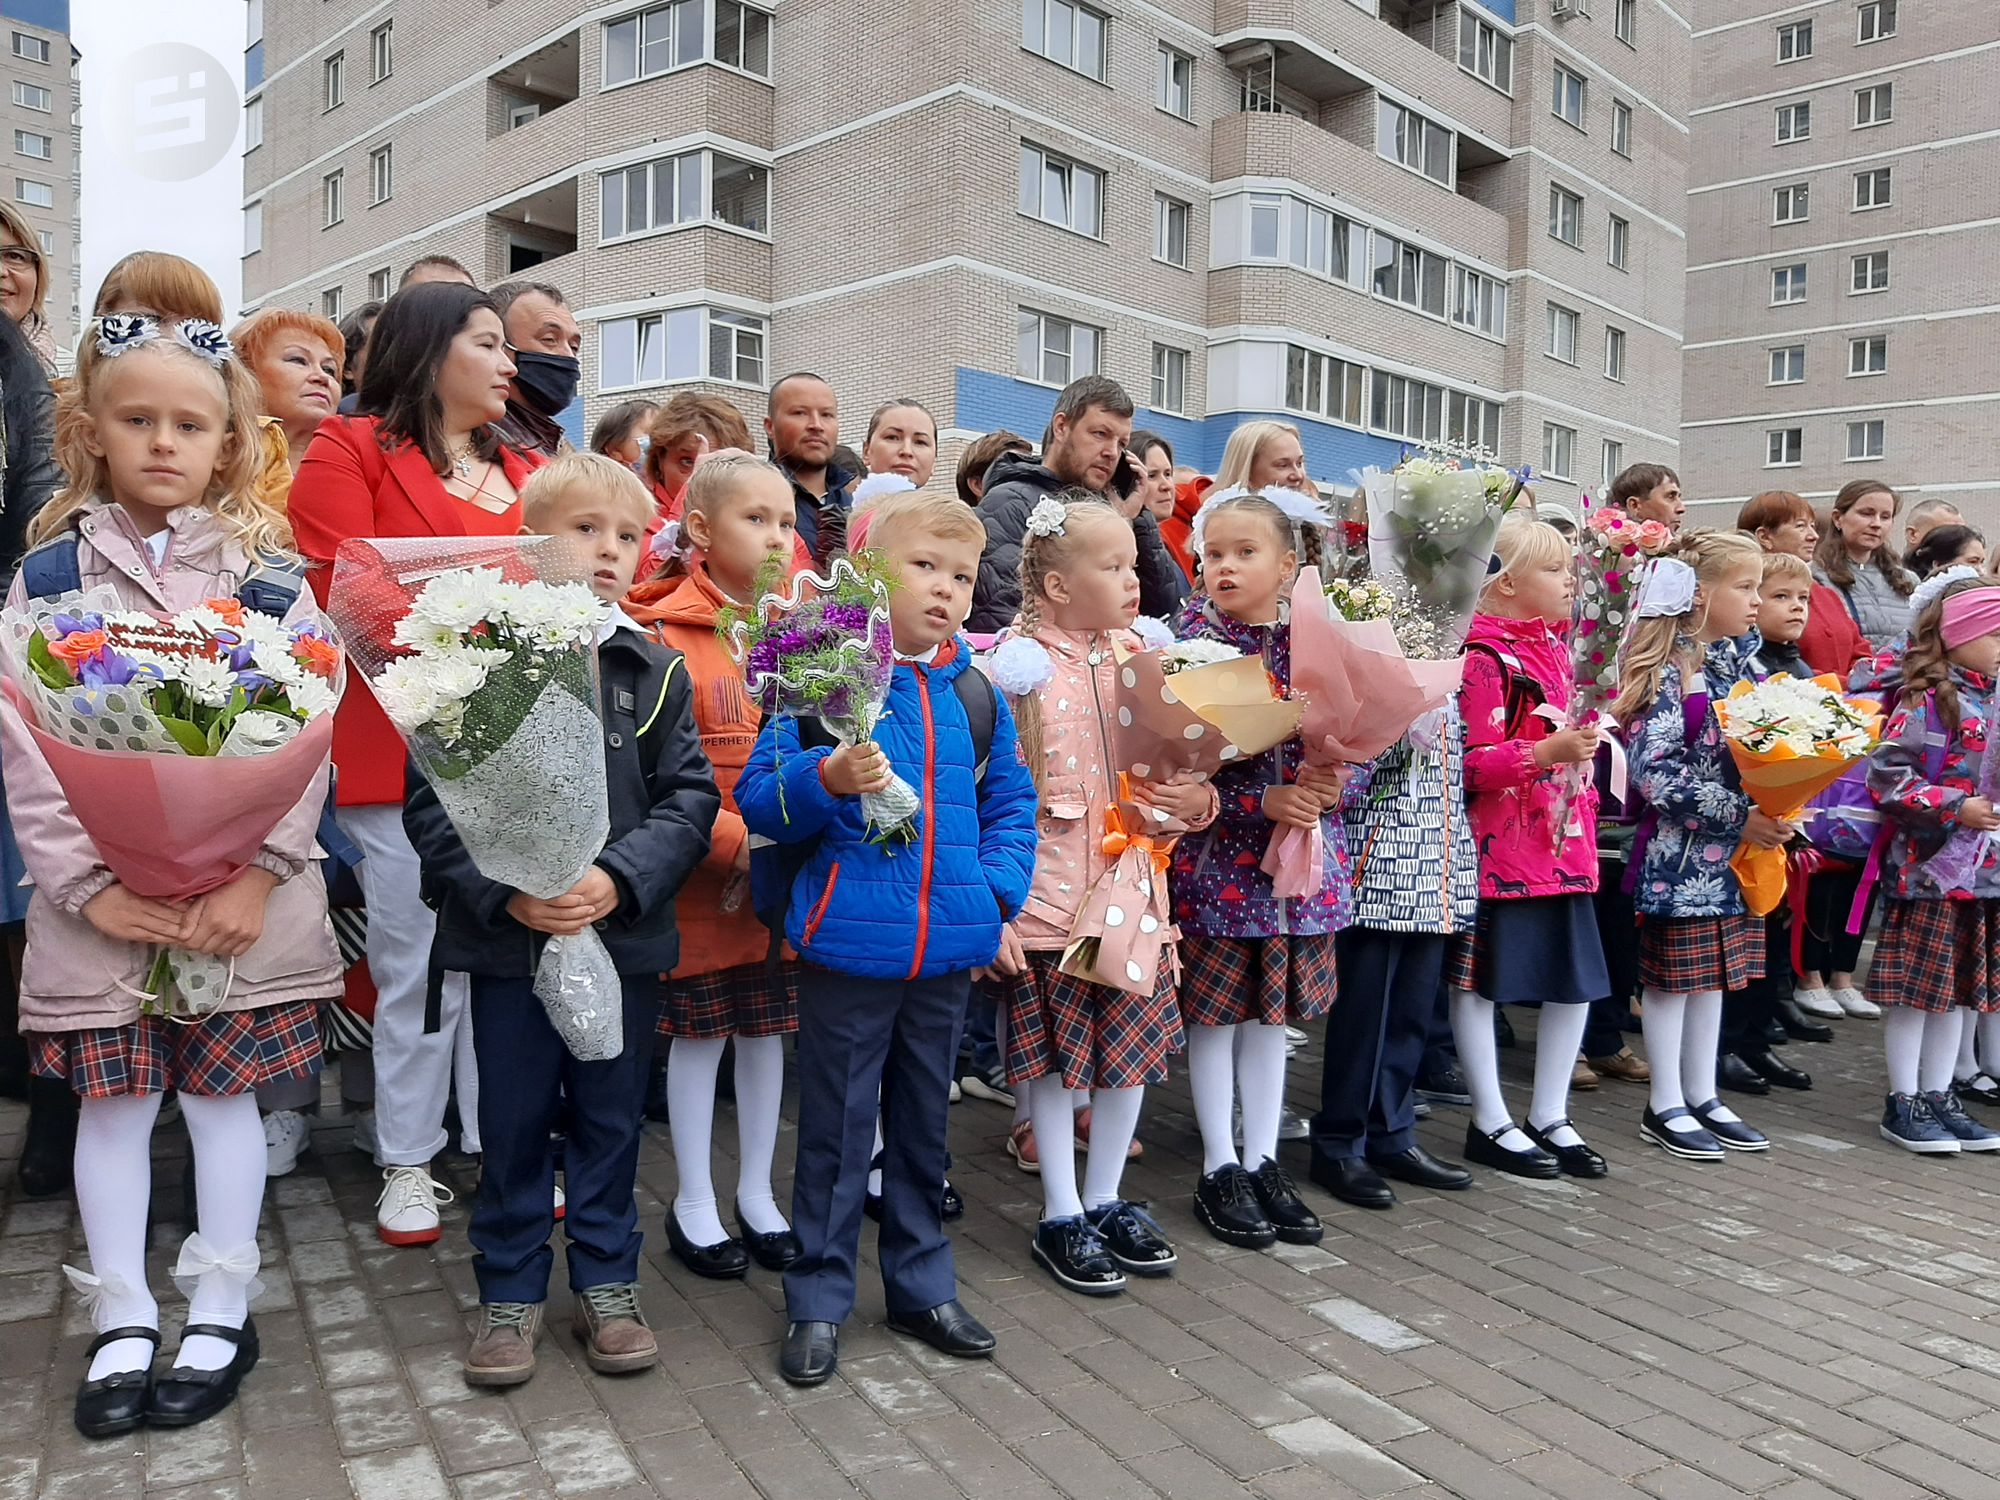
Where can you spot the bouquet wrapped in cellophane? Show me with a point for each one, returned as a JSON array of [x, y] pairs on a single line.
[[1432, 521], [482, 653], [819, 646], [181, 741]]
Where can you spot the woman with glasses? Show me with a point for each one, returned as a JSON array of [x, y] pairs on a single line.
[[24, 284]]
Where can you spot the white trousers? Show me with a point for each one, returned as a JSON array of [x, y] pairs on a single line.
[[413, 1068]]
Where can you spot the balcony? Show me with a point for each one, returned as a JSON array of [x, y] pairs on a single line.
[[530, 231], [537, 85]]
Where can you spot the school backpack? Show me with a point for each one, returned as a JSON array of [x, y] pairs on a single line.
[[775, 867], [1523, 693]]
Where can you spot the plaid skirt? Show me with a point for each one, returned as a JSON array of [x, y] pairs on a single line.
[[219, 1055], [1690, 955], [1094, 1035], [748, 1000], [1273, 981], [1935, 955]]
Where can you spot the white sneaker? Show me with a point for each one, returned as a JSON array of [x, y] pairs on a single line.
[[407, 1211], [364, 1132], [1852, 1002], [1293, 1126], [1294, 1037], [285, 1136], [1817, 1003]]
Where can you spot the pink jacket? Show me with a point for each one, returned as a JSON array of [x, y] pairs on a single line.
[[1512, 800], [1079, 782], [71, 975]]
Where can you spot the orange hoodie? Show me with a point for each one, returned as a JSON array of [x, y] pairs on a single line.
[[680, 613]]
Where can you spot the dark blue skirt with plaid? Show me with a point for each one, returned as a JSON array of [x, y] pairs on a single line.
[[230, 1052]]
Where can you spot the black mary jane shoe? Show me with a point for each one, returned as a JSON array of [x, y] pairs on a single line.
[[118, 1402], [775, 1251], [811, 1353], [947, 1328], [1575, 1161], [1483, 1148], [725, 1260], [183, 1397]]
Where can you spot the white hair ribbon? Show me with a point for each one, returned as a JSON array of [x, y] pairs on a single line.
[[1667, 591]]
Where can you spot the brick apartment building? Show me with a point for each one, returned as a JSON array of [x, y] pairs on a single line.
[[40, 130], [1384, 220]]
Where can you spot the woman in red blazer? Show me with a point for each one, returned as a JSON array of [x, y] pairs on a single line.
[[1784, 522], [422, 461]]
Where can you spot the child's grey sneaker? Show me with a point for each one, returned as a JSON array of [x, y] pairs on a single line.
[[1971, 1135], [1907, 1121]]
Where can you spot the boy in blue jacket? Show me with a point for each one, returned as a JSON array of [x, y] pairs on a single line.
[[891, 937]]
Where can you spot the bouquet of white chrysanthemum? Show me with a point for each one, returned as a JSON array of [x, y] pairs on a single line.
[[1182, 656]]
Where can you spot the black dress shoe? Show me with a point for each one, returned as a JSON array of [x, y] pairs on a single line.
[[1446, 1086], [183, 1397], [1577, 1161], [1352, 1180], [725, 1260], [1072, 1251], [1733, 1073], [811, 1353], [1419, 1168], [947, 1328], [118, 1402], [1278, 1196], [1483, 1148], [1773, 1031], [774, 1251], [49, 1150], [1226, 1203], [950, 1205], [1773, 1069], [1799, 1026]]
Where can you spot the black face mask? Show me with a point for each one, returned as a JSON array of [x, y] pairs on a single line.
[[547, 382]]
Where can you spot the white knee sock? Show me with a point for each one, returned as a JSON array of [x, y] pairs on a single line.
[[1989, 1041], [1479, 1064], [228, 1138], [1055, 1141], [1260, 1083], [1114, 1120], [1941, 1034], [760, 1083], [114, 1180], [1701, 1042], [1662, 1023], [1968, 1032], [1557, 1036], [1212, 1080], [691, 1068], [1903, 1046]]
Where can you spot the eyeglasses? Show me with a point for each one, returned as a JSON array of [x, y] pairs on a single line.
[[19, 258]]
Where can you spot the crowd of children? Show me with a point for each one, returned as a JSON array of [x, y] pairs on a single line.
[[1444, 880]]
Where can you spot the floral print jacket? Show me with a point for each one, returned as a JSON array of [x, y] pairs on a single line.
[[1690, 783], [1922, 773]]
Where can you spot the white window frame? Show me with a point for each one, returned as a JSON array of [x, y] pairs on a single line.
[[381, 284], [1868, 259], [26, 188], [1793, 122], [1296, 230], [1419, 403], [1560, 199], [1618, 246], [1479, 302], [1558, 452], [1868, 356], [1789, 281], [253, 227], [1621, 128], [1569, 91], [689, 169], [1868, 22], [1165, 210], [1625, 21], [382, 173], [333, 198], [679, 50], [253, 124], [332, 303], [1871, 183], [525, 113], [1420, 134], [1171, 59], [718, 335], [1784, 447], [1870, 96], [1485, 51], [1472, 420], [1792, 203], [382, 51], [1565, 331], [1340, 384], [1411, 263], [1610, 461], [31, 48], [26, 94], [48, 240], [333, 81], [1790, 36], [1170, 379], [1052, 13], [1617, 349], [1072, 171], [1045, 326], [1872, 433], [1787, 365], [23, 137]]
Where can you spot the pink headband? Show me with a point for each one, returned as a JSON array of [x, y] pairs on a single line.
[[1970, 615]]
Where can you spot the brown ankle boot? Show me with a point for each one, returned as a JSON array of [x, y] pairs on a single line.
[[503, 1347], [612, 1330]]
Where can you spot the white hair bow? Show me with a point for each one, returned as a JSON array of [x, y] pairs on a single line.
[[880, 484], [1667, 591], [1049, 517]]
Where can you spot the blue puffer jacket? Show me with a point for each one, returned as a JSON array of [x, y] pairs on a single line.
[[931, 907]]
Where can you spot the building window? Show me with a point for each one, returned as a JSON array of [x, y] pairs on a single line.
[[32, 96], [1403, 135], [1170, 230], [735, 347], [1620, 236], [334, 76], [1473, 421], [1066, 33], [33, 48], [676, 35], [1479, 302], [1784, 447], [1558, 450], [1409, 275], [382, 52], [667, 193], [1565, 216], [253, 124], [1169, 379], [1407, 408], [1790, 205], [1874, 105], [661, 347], [1311, 238], [1621, 127], [1484, 51], [1795, 41], [1055, 350], [1871, 189], [381, 174], [1864, 440], [1567, 98], [1870, 272], [1878, 20], [253, 227], [523, 114], [29, 143], [381, 284], [1319, 385], [1061, 192], [1788, 284], [1562, 334], [332, 199], [1611, 462], [1788, 365], [1176, 82], [48, 240], [1868, 356], [739, 193], [1795, 121], [1614, 354], [1625, 21], [34, 194], [330, 304]]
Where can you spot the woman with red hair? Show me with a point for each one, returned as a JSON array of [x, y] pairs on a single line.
[[298, 359], [1783, 522]]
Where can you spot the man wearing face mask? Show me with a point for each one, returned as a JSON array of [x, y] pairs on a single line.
[[543, 338]]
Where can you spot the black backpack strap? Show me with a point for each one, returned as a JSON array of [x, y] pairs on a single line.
[[1524, 694], [982, 711], [272, 588], [53, 568]]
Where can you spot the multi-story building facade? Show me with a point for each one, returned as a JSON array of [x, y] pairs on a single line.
[[1385, 220], [1843, 195], [43, 137]]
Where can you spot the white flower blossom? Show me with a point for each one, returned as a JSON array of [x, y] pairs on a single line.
[[312, 696], [460, 598], [1182, 655], [1048, 518], [209, 682]]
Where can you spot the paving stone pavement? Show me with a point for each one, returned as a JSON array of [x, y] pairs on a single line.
[[1821, 1322]]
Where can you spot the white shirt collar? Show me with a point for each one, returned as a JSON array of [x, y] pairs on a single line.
[[923, 657], [619, 621]]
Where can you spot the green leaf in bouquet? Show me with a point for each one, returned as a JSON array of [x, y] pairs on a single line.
[[45, 664], [187, 734]]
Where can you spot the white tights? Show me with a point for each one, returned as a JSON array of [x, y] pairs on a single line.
[[1558, 1034], [1920, 1047], [1246, 1060], [1114, 1119], [1682, 1035], [692, 1065]]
